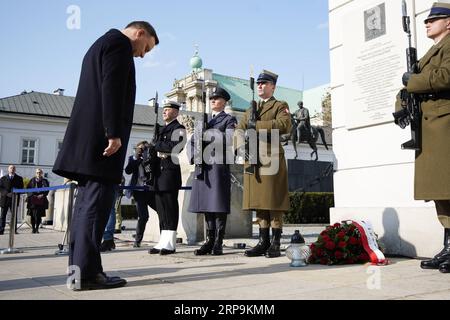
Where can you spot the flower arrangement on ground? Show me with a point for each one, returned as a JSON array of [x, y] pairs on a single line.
[[341, 243]]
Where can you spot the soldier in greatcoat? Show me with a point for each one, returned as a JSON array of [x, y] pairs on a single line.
[[432, 86], [211, 185], [266, 191]]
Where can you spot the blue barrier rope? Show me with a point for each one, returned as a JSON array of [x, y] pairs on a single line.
[[67, 186]]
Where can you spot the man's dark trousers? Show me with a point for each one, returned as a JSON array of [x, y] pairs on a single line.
[[3, 213], [92, 208]]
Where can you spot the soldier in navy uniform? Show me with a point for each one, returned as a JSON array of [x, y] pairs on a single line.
[[211, 191], [167, 182], [94, 147]]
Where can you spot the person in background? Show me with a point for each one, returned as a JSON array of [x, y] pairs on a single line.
[[142, 198], [108, 236], [37, 202], [7, 184]]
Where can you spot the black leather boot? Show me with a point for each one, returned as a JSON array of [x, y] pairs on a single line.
[[207, 247], [262, 246], [274, 249], [140, 228], [218, 244], [441, 257], [107, 245]]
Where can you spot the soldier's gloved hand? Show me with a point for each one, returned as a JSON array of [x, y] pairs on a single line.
[[406, 77], [251, 124], [401, 118]]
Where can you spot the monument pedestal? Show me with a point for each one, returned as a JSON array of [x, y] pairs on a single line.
[[191, 227]]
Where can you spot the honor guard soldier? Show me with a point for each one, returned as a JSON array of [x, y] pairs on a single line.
[[266, 191], [211, 192], [167, 183], [432, 164]]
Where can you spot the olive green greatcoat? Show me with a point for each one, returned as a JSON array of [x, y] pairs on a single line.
[[432, 165], [268, 190]]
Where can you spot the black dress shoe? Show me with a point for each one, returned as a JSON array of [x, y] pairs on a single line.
[[136, 244], [107, 245], [117, 231], [153, 251], [164, 252], [435, 262], [445, 267], [101, 281]]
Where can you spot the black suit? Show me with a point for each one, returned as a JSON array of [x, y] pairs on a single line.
[[6, 187], [103, 109], [168, 174]]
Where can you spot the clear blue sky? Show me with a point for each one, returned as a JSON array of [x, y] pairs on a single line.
[[290, 37]]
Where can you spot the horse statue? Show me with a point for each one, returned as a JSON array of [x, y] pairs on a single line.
[[301, 134]]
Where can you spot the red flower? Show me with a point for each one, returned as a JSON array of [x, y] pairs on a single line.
[[319, 252], [336, 225], [330, 245], [312, 246], [353, 241], [342, 244], [350, 260], [341, 234], [363, 257], [338, 254], [326, 238]]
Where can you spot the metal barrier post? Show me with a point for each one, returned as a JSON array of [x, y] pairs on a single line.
[[12, 228], [66, 240]]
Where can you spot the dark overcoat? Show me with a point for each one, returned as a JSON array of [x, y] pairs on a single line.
[[212, 192], [170, 143], [103, 109], [432, 165], [40, 204], [6, 186]]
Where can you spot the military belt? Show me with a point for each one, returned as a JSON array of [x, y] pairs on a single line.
[[435, 96]]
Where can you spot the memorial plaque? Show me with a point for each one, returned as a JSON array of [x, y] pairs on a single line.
[[374, 60]]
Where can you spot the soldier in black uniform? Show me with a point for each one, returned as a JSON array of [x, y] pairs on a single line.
[[170, 142]]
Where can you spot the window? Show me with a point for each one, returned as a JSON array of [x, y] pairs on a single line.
[[29, 150]]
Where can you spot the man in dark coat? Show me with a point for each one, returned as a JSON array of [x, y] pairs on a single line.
[[142, 198], [167, 183], [94, 147], [211, 190], [7, 184]]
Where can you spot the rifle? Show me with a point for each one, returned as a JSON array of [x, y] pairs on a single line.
[[199, 130], [150, 155], [412, 110], [251, 125]]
